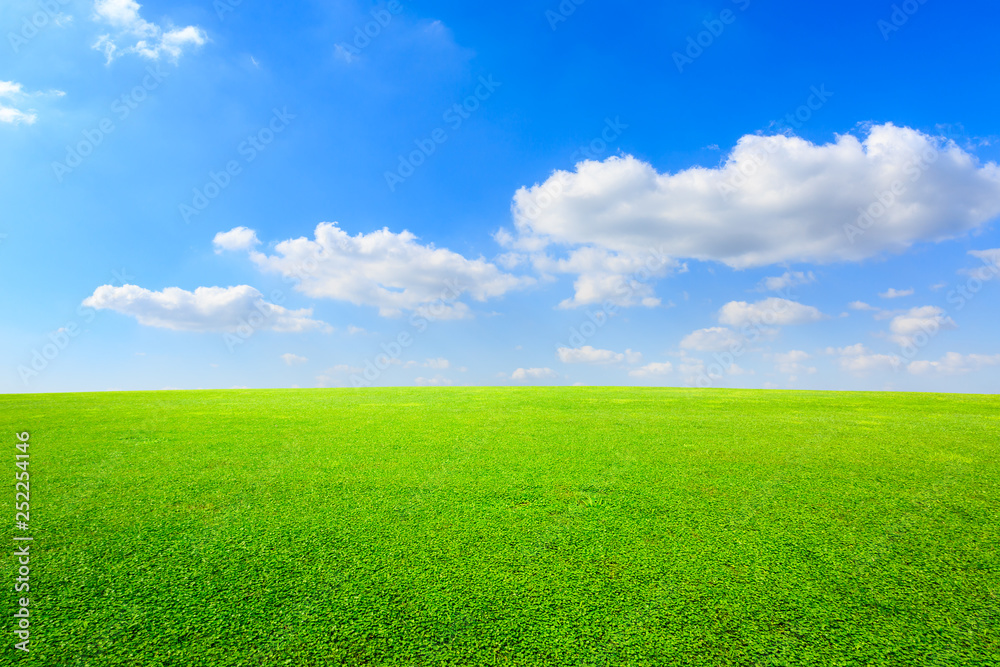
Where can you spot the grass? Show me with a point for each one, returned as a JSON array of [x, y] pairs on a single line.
[[565, 526]]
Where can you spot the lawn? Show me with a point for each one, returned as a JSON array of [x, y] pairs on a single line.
[[497, 526]]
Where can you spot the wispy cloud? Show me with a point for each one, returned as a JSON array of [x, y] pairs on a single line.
[[135, 35]]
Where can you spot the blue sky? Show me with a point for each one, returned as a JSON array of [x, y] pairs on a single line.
[[203, 195]]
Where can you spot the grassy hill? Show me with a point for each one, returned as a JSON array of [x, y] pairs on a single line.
[[495, 526]]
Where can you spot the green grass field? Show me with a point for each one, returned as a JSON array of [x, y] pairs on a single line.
[[565, 526]]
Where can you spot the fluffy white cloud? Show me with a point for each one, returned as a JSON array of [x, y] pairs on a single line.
[[237, 238], [621, 278], [653, 370], [440, 364], [293, 359], [534, 374], [715, 339], [860, 360], [792, 363], [785, 281], [590, 355], [797, 207], [12, 92], [928, 320], [389, 271], [226, 309], [150, 40], [893, 293], [954, 363], [770, 312]]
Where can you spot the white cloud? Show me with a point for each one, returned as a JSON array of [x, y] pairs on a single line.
[[436, 381], [621, 278], [293, 359], [954, 363], [796, 208], [893, 293], [773, 311], [861, 305], [389, 271], [715, 339], [928, 320], [237, 238], [14, 94], [534, 374], [791, 363], [653, 370], [439, 364], [787, 280], [150, 40], [590, 355], [991, 257], [224, 309], [860, 360]]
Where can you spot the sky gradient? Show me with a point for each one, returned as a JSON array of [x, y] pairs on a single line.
[[727, 194]]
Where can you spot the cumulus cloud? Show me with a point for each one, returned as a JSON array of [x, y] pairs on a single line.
[[293, 359], [389, 271], [786, 281], [797, 207], [653, 370], [237, 238], [954, 363], [141, 37], [715, 339], [928, 320], [534, 374], [893, 293], [773, 311], [859, 360], [223, 309], [590, 355], [792, 363], [623, 279]]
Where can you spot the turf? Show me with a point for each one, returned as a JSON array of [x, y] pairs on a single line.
[[494, 526]]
